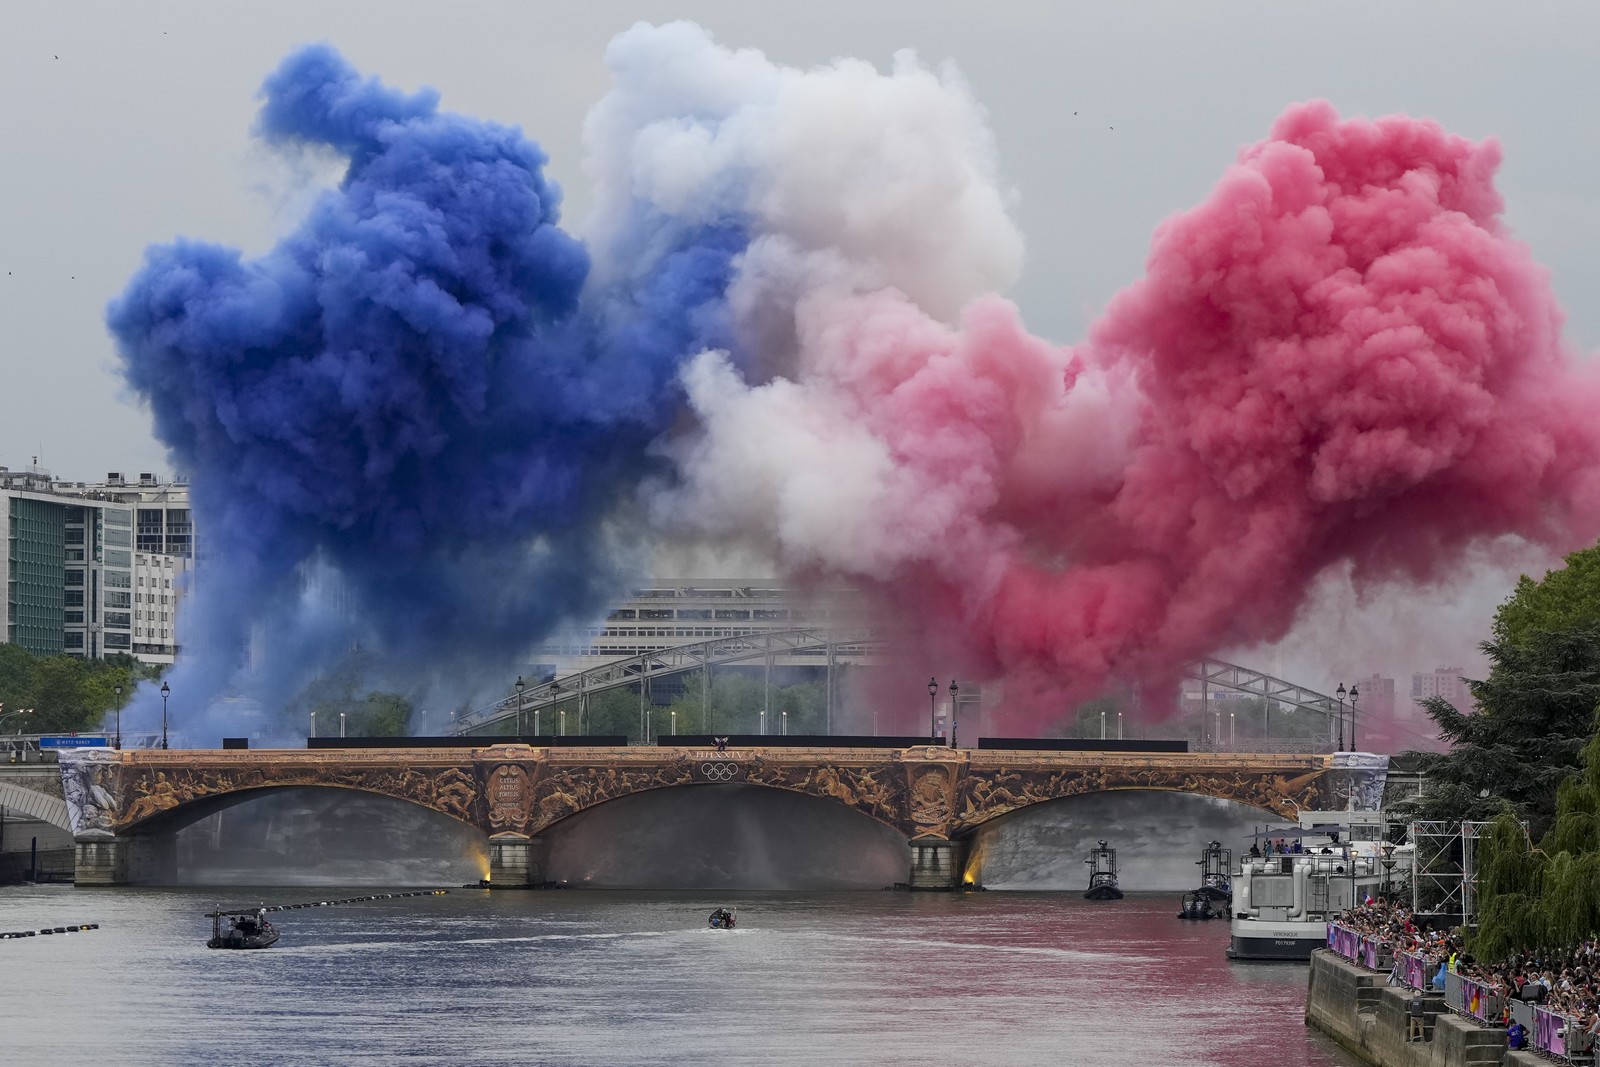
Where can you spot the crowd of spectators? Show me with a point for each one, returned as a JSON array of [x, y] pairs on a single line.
[[1567, 983]]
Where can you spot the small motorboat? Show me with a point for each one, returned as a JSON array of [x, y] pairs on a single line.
[[1102, 863], [247, 928], [1214, 898], [1196, 905], [723, 919]]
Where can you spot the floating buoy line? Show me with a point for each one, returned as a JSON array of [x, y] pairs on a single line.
[[6, 935], [332, 903]]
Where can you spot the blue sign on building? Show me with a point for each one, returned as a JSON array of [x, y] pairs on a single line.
[[73, 741]]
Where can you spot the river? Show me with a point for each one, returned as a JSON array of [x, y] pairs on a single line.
[[610, 977]]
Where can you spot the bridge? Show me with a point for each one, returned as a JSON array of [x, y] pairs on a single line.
[[827, 647], [125, 806]]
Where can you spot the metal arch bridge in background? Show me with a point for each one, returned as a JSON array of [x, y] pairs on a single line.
[[833, 644], [677, 659]]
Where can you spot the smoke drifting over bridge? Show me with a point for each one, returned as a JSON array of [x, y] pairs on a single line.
[[783, 334]]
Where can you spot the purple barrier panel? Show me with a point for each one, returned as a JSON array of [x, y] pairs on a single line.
[[1345, 942], [1550, 1032], [1415, 971]]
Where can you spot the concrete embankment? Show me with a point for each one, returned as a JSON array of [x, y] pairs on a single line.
[[1360, 1011]]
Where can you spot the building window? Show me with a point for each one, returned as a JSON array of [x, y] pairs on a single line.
[[74, 577], [118, 641], [118, 600], [74, 598], [73, 640]]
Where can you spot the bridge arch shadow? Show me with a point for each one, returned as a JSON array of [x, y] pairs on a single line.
[[724, 836], [1158, 835], [314, 835]]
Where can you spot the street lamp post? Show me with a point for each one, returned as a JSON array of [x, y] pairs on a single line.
[[313, 724], [1339, 692], [118, 690], [675, 721], [1355, 694], [341, 724], [519, 705], [785, 716], [166, 691], [933, 694], [1119, 726], [14, 715], [955, 693]]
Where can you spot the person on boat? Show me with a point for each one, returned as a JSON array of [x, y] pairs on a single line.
[[1255, 851]]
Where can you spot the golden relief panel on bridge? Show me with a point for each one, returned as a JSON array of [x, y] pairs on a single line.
[[115, 795], [985, 793]]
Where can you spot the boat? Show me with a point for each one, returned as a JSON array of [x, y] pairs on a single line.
[[247, 928], [1102, 863], [1214, 898], [1295, 879], [1196, 905], [723, 919]]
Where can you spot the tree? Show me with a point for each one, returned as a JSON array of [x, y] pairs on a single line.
[[1546, 897], [68, 694], [1564, 599], [1535, 714]]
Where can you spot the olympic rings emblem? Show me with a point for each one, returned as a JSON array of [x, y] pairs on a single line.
[[719, 772]]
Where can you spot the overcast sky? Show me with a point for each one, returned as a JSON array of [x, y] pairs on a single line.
[[126, 124]]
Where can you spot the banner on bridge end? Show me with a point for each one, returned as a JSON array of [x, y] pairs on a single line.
[[74, 741]]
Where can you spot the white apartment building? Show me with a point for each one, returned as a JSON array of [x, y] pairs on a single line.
[[1443, 682], [678, 611]]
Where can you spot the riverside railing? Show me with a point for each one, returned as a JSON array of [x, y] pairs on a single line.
[[1464, 996], [1414, 971], [1372, 953]]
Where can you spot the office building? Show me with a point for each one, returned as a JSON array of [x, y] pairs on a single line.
[[76, 582]]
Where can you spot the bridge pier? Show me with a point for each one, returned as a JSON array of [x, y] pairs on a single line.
[[936, 863], [516, 861], [145, 859]]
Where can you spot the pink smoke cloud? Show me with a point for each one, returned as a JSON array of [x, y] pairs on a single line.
[[1340, 356]]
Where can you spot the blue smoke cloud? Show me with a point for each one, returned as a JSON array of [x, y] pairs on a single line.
[[411, 425]]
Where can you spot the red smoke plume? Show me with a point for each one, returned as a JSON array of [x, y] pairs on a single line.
[[1341, 354]]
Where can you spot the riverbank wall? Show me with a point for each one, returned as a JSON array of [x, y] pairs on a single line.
[[1358, 1009]]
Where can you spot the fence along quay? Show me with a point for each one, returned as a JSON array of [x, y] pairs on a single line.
[[1365, 995]]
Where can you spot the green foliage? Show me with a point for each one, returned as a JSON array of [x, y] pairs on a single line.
[[67, 693], [1536, 712], [1565, 599], [343, 691], [1548, 897]]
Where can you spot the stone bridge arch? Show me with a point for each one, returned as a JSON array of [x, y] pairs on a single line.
[[38, 796]]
